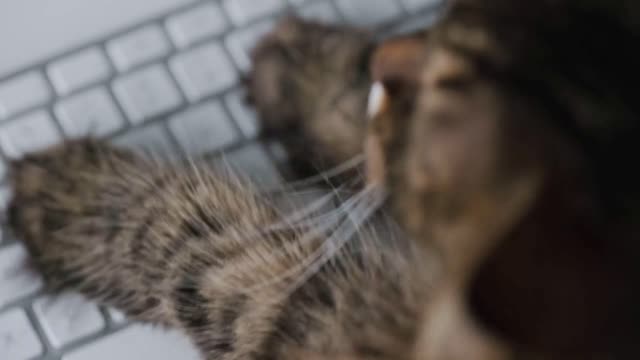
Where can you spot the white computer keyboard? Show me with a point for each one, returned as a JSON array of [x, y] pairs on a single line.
[[169, 86]]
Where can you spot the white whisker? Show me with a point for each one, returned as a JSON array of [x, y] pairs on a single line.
[[358, 215], [325, 252], [303, 215], [325, 176]]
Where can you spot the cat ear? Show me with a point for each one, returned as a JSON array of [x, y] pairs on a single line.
[[397, 62]]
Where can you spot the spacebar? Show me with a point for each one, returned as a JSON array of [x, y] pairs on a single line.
[[138, 342]]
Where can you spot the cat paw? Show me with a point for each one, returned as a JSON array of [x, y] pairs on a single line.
[[309, 85], [53, 189]]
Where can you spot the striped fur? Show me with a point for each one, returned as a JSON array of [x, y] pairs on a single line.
[[188, 249]]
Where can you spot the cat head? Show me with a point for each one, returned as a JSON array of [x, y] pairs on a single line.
[[506, 137]]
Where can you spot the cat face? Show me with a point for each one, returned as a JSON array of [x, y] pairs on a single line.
[[478, 172], [436, 141]]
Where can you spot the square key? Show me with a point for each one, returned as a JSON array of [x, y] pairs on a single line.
[[252, 162], [244, 115], [22, 93], [204, 71], [33, 132], [91, 113], [203, 129], [141, 46], [138, 342], [67, 318], [18, 340], [79, 70], [147, 93], [152, 140], [15, 281], [196, 24], [369, 12]]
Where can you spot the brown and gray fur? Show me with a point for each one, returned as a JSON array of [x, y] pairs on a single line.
[[310, 84], [506, 144], [198, 251]]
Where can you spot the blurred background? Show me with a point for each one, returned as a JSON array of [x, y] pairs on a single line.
[[163, 76]]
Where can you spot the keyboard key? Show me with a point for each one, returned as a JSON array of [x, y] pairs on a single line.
[[138, 47], [18, 341], [252, 162], [204, 71], [203, 129], [245, 11], [414, 5], [244, 115], [67, 318], [22, 93], [138, 342], [320, 11], [33, 132], [196, 24], [15, 281], [3, 169], [151, 140], [241, 42], [117, 317], [369, 12], [79, 70], [90, 113], [147, 93]]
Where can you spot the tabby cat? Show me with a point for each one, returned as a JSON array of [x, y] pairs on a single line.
[[502, 141]]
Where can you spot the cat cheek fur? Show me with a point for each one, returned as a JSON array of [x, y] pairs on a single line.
[[450, 332]]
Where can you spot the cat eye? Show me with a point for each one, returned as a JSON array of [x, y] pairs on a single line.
[[377, 100]]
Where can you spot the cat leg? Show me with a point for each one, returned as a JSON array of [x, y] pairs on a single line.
[[310, 84], [179, 247], [191, 249], [124, 231], [81, 221]]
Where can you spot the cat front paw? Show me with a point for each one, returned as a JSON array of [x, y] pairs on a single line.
[[55, 202]]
